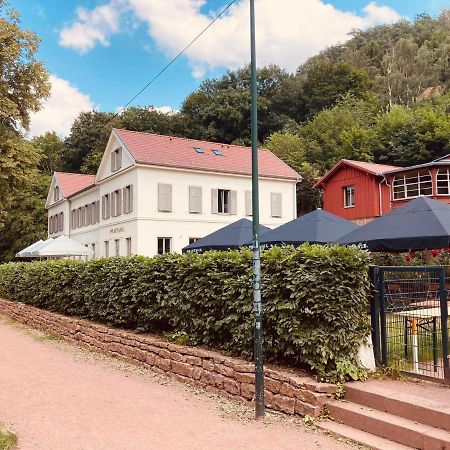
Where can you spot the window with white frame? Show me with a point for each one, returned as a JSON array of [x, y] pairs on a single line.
[[106, 209], [116, 203], [128, 199], [223, 199], [164, 245], [349, 196], [106, 249], [128, 244], [443, 181], [412, 184], [117, 247]]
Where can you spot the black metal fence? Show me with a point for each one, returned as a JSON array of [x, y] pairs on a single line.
[[410, 319]]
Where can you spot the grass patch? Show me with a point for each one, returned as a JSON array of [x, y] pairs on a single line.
[[8, 440], [47, 337]]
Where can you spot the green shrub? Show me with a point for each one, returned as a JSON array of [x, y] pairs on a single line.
[[314, 297]]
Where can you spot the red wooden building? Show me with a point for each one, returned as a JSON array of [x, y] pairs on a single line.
[[356, 190], [361, 191]]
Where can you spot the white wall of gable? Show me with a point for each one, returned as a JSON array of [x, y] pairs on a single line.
[[104, 171]]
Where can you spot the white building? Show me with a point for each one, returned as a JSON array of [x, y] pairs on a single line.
[[154, 194]]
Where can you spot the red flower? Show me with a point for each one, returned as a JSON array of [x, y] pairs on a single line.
[[435, 252], [408, 257]]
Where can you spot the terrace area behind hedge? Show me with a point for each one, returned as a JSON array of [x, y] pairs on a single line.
[[315, 299]]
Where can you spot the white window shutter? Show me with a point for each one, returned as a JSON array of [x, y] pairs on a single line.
[[233, 202], [214, 201], [276, 204], [113, 161], [165, 197], [195, 199], [248, 203]]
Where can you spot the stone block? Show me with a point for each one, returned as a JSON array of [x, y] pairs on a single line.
[[182, 368], [287, 390], [305, 409], [208, 378], [272, 385], [194, 360], [231, 386], [284, 404], [247, 390], [224, 370], [208, 365], [244, 377]]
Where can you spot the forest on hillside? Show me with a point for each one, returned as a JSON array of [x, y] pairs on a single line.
[[383, 96]]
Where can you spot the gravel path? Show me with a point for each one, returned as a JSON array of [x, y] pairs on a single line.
[[55, 396]]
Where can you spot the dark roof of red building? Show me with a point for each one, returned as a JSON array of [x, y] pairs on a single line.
[[72, 183], [168, 151], [372, 168]]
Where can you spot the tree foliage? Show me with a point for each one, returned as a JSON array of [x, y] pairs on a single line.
[[23, 79], [23, 85]]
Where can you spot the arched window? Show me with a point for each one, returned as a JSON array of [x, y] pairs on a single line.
[[412, 184], [443, 181]]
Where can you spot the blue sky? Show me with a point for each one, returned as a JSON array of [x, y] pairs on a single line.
[[100, 53]]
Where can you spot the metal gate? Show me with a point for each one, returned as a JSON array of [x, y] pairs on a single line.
[[410, 320]]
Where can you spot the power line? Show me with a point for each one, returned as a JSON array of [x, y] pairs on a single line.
[[172, 61]]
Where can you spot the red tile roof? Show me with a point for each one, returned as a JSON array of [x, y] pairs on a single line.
[[72, 183], [376, 169], [155, 149], [372, 168]]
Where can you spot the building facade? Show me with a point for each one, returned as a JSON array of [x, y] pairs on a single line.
[[154, 194], [361, 191], [356, 190]]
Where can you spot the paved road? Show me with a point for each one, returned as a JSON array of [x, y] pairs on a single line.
[[57, 397]]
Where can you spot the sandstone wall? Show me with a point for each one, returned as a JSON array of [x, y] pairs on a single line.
[[285, 390]]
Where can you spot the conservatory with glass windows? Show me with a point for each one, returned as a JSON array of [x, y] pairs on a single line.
[[430, 180]]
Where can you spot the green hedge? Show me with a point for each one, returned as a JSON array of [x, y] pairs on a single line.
[[315, 299]]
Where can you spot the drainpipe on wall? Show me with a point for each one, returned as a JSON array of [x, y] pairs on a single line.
[[380, 199]]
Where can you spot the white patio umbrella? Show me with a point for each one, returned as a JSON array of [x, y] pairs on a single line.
[[62, 246], [27, 252], [23, 252]]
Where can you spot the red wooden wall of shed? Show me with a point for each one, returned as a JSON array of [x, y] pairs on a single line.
[[366, 194]]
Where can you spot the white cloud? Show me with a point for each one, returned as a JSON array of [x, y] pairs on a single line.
[[92, 26], [60, 110], [166, 110], [288, 31]]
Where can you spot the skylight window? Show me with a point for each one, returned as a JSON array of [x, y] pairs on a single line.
[[217, 152], [199, 150]]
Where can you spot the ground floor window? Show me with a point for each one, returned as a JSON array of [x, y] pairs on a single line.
[[164, 245], [106, 249], [192, 240], [128, 242], [117, 247], [349, 196], [223, 201]]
